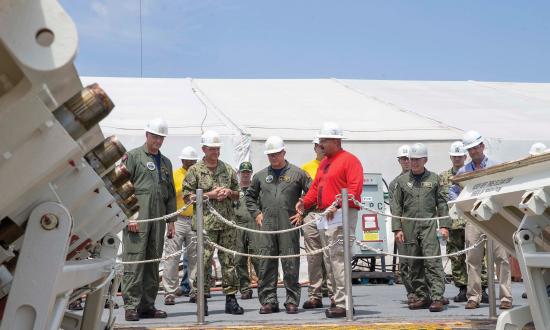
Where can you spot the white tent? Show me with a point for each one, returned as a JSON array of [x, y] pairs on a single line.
[[377, 116]]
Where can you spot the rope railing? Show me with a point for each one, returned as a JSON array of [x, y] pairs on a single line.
[[362, 206], [168, 216], [317, 217], [259, 256], [482, 239], [166, 257], [269, 232]]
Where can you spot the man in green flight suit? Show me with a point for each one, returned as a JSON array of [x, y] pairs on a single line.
[[419, 194], [151, 174], [245, 239], [404, 263], [270, 199], [219, 182]]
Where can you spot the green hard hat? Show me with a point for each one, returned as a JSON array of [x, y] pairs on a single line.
[[245, 166]]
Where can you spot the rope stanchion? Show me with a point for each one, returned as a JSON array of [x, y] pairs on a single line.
[[219, 217], [166, 257], [287, 256], [168, 216], [357, 203], [454, 254]]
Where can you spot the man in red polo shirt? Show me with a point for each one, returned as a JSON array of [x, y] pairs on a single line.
[[338, 169]]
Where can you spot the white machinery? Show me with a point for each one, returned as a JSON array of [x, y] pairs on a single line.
[[63, 200], [511, 203]]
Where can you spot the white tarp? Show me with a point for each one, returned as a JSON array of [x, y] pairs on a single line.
[[377, 116]]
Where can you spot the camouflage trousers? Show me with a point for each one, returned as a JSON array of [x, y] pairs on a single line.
[[225, 238], [458, 263]]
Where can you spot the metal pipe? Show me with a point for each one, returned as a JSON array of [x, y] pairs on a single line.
[[200, 257], [347, 254], [491, 279]]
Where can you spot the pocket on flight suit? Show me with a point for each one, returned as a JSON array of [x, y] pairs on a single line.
[[134, 243]]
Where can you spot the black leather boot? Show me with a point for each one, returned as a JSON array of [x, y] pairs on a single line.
[[232, 306], [484, 296], [461, 296]]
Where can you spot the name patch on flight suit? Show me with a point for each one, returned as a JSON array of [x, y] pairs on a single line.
[[151, 166], [269, 178], [427, 184]]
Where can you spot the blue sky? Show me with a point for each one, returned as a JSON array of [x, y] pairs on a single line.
[[385, 39]]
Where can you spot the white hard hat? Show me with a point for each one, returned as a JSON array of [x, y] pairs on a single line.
[[418, 150], [403, 151], [457, 149], [471, 139], [537, 149], [189, 153], [315, 140], [330, 130], [157, 126], [273, 145], [211, 139]]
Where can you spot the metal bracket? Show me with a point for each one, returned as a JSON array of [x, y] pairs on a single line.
[[484, 209], [535, 202]]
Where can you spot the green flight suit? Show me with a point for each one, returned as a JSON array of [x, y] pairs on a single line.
[[156, 197], [276, 197], [244, 241], [457, 239], [199, 176], [422, 197], [404, 266]]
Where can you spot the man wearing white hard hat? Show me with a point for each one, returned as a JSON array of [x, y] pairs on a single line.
[[316, 267], [418, 194], [219, 182], [457, 233], [270, 199], [537, 148], [473, 143], [339, 169], [151, 174], [183, 236], [404, 267]]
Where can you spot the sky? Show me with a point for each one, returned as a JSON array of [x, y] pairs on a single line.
[[490, 40]]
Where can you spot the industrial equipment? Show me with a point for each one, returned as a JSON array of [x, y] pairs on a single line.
[[371, 229], [63, 200], [511, 203]]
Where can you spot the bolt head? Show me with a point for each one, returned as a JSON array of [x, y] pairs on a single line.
[[49, 221]]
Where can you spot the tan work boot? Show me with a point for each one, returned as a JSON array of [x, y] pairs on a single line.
[[471, 305]]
